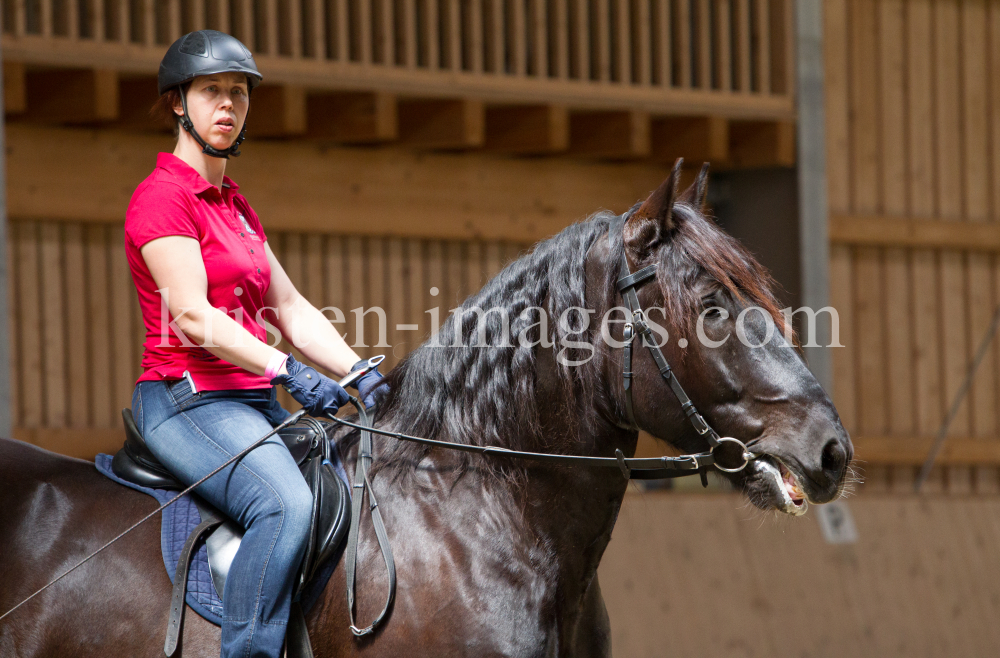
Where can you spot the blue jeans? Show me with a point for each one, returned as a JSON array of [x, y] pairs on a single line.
[[194, 433]]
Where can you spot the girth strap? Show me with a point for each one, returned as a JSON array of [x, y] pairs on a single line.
[[177, 604], [361, 483]]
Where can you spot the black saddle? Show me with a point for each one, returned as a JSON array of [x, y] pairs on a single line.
[[308, 442]]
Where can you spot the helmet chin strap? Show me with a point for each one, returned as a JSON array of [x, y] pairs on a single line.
[[206, 148]]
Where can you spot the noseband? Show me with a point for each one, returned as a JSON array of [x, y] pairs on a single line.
[[637, 327]]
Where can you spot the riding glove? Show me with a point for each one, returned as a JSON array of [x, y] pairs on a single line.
[[318, 394], [368, 383]]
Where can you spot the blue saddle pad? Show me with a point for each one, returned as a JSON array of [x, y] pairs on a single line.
[[176, 525]]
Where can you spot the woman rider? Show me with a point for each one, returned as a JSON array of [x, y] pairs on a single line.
[[205, 276]]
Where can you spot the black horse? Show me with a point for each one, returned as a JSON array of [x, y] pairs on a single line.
[[495, 556]]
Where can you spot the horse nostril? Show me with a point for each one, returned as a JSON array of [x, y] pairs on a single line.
[[834, 458]]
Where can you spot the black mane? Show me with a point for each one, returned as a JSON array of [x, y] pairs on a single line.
[[487, 395]]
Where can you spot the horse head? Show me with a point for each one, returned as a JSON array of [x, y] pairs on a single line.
[[726, 340]]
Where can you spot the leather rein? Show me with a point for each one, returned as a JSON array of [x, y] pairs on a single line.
[[631, 468]]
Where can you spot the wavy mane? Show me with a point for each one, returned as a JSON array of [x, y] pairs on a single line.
[[487, 395]]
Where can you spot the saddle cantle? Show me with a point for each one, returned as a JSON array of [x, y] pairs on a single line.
[[308, 443]]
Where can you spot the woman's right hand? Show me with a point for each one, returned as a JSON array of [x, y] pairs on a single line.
[[319, 395]]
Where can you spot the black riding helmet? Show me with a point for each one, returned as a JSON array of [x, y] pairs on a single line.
[[206, 52]]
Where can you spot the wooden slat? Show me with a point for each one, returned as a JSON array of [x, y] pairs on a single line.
[[915, 232], [125, 355], [334, 290], [663, 39], [682, 43], [376, 330], [900, 393], [78, 329], [454, 275], [473, 41], [416, 289], [410, 56], [993, 88], [601, 47], [495, 37], [844, 369], [976, 176], [432, 34], [723, 48], [354, 292], [921, 176], [196, 14], [623, 42], [782, 45], [581, 29], [453, 37], [45, 9], [218, 15], [29, 294], [362, 30], [395, 306], [641, 51], [948, 175], [53, 325], [100, 381], [434, 294], [559, 39], [316, 29], [703, 42], [539, 38], [343, 46], [762, 54], [271, 38], [97, 20], [517, 38]]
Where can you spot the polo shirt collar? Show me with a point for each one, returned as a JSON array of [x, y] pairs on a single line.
[[189, 178]]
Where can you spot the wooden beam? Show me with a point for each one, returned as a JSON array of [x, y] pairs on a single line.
[[314, 187], [277, 111], [913, 232], [610, 135], [336, 75], [696, 139], [353, 117], [72, 95], [442, 124], [15, 95], [754, 144], [912, 451], [527, 129]]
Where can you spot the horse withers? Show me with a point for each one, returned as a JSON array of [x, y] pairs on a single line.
[[495, 556]]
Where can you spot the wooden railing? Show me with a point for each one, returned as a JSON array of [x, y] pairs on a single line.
[[728, 57]]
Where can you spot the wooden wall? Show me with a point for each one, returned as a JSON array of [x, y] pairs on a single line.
[[702, 575], [912, 91]]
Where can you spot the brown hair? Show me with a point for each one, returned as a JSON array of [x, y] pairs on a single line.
[[163, 109]]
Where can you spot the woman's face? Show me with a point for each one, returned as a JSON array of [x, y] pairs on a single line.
[[217, 105]]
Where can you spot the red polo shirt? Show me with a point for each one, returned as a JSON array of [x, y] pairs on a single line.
[[176, 200]]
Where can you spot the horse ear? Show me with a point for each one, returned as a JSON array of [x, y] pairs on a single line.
[[654, 219], [697, 193]]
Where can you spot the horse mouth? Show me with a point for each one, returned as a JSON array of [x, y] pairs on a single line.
[[789, 496]]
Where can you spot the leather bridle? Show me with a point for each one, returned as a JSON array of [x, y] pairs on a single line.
[[637, 327]]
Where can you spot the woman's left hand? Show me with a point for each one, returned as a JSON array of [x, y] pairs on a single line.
[[368, 383]]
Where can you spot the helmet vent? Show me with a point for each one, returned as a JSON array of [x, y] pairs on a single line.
[[195, 44]]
